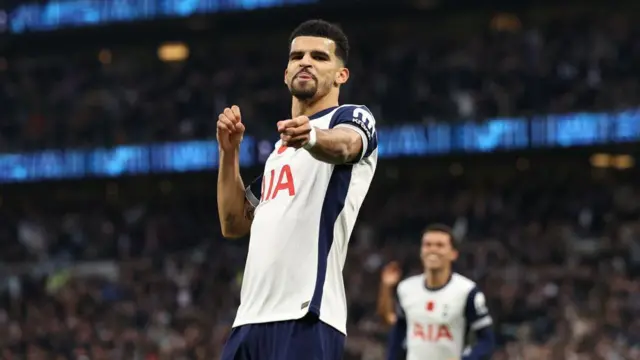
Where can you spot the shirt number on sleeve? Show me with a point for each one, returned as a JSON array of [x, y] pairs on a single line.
[[364, 119]]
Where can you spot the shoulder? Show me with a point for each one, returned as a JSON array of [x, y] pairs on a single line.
[[350, 109], [461, 287], [410, 281], [409, 284], [341, 114], [355, 117], [353, 114], [462, 284], [475, 304], [350, 112]]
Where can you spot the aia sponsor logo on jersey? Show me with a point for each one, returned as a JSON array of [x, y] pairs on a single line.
[[431, 332], [277, 182]]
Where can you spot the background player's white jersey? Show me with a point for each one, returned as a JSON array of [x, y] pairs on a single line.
[[439, 320], [306, 211]]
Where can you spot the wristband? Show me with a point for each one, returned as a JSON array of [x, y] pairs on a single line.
[[312, 139]]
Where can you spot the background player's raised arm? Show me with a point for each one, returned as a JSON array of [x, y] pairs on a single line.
[[386, 306], [236, 213]]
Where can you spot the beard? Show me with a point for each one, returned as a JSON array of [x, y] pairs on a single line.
[[304, 91]]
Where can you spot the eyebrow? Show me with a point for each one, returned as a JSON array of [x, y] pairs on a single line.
[[313, 53]]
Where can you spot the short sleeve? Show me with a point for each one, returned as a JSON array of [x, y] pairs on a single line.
[[361, 120], [253, 192], [476, 311]]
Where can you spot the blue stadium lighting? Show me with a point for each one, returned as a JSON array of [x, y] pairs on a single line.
[[503, 134], [56, 15]]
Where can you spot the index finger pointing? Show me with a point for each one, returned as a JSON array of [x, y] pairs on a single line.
[[236, 112]]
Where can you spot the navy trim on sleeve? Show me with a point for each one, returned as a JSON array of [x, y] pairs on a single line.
[[475, 308], [479, 322], [361, 118]]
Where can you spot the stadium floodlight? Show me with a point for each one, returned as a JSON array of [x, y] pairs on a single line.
[[171, 52]]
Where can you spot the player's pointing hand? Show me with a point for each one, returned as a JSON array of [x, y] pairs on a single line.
[[229, 129], [295, 132]]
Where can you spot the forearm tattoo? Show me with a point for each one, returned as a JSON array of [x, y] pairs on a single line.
[[230, 221]]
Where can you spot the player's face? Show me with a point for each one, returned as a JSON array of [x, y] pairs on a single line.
[[437, 252], [313, 69]]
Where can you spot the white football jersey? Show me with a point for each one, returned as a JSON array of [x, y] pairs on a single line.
[[439, 320], [305, 212]]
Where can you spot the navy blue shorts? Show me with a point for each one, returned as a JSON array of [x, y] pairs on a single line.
[[304, 339]]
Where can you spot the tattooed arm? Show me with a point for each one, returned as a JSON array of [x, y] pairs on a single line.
[[235, 211]]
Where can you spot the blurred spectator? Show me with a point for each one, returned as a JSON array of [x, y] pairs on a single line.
[[555, 249], [404, 72], [553, 254]]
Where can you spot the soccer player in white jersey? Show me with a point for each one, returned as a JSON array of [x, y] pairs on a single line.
[[301, 212], [437, 311]]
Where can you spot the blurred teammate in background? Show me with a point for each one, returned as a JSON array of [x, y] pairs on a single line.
[[437, 311], [301, 212]]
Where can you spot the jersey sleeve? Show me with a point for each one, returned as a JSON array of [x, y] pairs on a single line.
[[253, 192], [360, 119], [476, 311]]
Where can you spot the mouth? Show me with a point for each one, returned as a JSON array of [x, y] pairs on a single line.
[[304, 75], [433, 257]]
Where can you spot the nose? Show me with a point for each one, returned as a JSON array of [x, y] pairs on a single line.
[[305, 61]]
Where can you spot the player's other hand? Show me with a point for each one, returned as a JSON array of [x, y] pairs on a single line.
[[229, 130], [294, 132], [391, 274]]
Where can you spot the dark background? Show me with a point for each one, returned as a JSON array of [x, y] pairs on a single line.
[[134, 266]]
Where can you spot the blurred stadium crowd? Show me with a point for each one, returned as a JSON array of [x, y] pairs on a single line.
[[559, 261], [403, 71], [556, 249]]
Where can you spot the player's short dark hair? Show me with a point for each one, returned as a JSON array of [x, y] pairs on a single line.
[[442, 228], [324, 29]]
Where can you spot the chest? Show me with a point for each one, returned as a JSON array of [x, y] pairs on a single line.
[[434, 308], [296, 158], [282, 155], [290, 172]]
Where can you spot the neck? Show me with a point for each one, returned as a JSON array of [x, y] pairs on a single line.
[[437, 278], [312, 106]]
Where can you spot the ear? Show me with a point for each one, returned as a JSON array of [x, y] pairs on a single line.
[[454, 255], [342, 76]]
